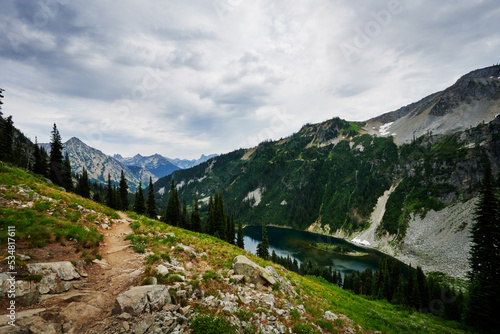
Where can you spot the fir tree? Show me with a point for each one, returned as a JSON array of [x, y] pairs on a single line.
[[7, 141], [172, 213], [484, 291], [41, 158], [151, 204], [240, 241], [263, 246], [56, 158], [184, 215], [67, 178], [195, 215], [211, 216], [220, 217], [123, 190], [83, 186], [109, 193], [231, 233], [139, 205]]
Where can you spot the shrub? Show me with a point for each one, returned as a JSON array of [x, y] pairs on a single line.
[[295, 314], [139, 248], [209, 274], [304, 329], [208, 324]]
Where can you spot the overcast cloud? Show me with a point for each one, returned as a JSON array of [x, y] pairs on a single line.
[[182, 78]]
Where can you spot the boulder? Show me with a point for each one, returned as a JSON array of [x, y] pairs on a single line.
[[64, 270], [329, 316], [137, 299], [52, 284], [161, 269], [188, 250], [253, 272]]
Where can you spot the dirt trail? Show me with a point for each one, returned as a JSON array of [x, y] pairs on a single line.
[[92, 298]]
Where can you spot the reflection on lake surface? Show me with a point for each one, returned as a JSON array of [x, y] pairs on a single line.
[[297, 244]]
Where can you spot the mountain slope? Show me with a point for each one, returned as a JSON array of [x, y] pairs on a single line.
[[99, 165], [330, 176], [104, 293], [184, 163], [158, 165], [473, 99]]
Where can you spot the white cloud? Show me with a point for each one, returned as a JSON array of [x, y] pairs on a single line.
[[185, 78]]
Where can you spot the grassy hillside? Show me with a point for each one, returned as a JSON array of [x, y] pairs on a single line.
[[66, 220], [332, 173]]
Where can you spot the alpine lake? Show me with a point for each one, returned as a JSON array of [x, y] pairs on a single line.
[[326, 251]]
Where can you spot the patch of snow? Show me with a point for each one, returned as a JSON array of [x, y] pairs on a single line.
[[470, 145], [180, 184], [202, 178], [384, 129], [161, 191], [360, 148], [205, 200], [190, 181], [361, 242], [283, 202], [255, 195]]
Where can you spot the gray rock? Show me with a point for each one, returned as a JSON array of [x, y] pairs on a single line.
[[137, 299], [329, 316], [142, 326], [188, 250], [161, 269], [253, 272], [64, 270], [52, 284]]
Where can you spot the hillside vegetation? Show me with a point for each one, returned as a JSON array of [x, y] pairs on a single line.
[[304, 300]]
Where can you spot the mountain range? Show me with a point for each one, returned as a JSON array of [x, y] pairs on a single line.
[[405, 182], [137, 169]]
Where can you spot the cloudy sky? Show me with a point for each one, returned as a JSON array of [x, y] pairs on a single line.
[[182, 78]]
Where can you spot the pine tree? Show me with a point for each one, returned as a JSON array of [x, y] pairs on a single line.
[[211, 216], [68, 180], [109, 193], [123, 190], [7, 141], [263, 246], [220, 217], [151, 204], [484, 291], [83, 187], [56, 166], [231, 230], [139, 205], [195, 215], [240, 241], [184, 215], [41, 158], [172, 213]]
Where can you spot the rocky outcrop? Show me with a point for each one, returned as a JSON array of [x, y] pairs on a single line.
[[141, 298], [253, 272], [63, 270]]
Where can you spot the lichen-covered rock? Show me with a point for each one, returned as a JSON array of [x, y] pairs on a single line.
[[253, 272], [64, 270], [137, 299], [188, 250]]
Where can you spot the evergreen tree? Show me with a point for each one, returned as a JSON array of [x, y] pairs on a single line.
[[231, 230], [151, 204], [83, 186], [123, 190], [484, 291], [263, 246], [220, 217], [139, 205], [172, 213], [184, 215], [195, 215], [41, 158], [240, 241], [56, 165], [211, 227], [7, 141], [68, 180], [109, 193]]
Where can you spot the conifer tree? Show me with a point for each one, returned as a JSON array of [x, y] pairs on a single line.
[[151, 204], [484, 277], [123, 190], [109, 193], [195, 215], [263, 246], [220, 217], [211, 216], [68, 180], [184, 215], [83, 188], [231, 230], [56, 158], [41, 158], [139, 205], [172, 213], [7, 141], [240, 240]]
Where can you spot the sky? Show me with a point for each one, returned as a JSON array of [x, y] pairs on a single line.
[[185, 78]]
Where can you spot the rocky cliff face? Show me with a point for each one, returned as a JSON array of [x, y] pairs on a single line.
[[473, 99]]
